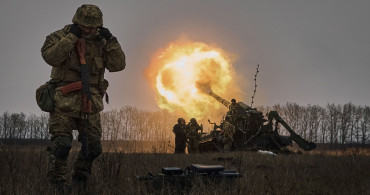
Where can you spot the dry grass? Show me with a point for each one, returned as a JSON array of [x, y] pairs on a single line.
[[23, 171]]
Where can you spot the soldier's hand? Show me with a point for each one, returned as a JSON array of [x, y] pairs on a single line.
[[104, 32], [76, 30]]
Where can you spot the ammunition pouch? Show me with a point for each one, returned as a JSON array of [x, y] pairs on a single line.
[[77, 86], [45, 96], [72, 102]]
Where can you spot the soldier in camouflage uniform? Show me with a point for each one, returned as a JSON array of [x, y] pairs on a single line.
[[180, 136], [228, 131], [193, 135], [102, 52], [233, 104]]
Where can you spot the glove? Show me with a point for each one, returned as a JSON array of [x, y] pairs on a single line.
[[105, 33], [76, 30]]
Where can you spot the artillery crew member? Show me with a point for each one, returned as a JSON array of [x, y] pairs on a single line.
[[180, 136], [233, 104], [85, 39], [228, 133], [193, 135]]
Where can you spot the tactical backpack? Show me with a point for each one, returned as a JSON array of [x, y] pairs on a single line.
[[45, 96]]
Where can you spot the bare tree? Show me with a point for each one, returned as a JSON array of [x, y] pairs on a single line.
[[6, 125], [324, 124], [314, 121], [44, 126], [355, 127], [345, 121], [1, 127], [292, 114], [365, 125], [17, 125], [333, 113]]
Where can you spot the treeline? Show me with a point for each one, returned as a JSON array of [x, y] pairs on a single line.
[[332, 123], [127, 123], [130, 123], [20, 126]]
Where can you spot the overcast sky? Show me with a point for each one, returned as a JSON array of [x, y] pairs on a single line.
[[310, 52]]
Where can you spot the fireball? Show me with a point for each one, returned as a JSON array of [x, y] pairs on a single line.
[[185, 72]]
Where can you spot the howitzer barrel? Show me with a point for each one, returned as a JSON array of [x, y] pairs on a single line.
[[220, 99]]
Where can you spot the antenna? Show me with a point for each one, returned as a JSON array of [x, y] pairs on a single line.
[[255, 84]]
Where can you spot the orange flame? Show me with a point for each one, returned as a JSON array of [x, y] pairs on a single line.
[[185, 72]]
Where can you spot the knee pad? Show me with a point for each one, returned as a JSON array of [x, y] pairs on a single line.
[[95, 150], [61, 147]]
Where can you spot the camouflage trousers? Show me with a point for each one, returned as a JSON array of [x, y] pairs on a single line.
[[193, 146], [180, 145], [60, 128]]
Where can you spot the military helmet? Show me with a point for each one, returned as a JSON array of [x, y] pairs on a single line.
[[193, 120], [233, 101], [180, 119], [88, 15]]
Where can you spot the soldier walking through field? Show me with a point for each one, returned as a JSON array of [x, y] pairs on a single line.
[[192, 132], [180, 136], [79, 52]]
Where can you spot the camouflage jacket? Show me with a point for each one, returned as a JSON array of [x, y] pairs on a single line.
[[228, 129], [179, 131], [59, 52], [192, 130]]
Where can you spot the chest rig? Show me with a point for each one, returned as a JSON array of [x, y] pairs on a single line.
[[95, 59]]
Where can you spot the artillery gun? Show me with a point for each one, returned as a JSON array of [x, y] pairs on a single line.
[[248, 129]]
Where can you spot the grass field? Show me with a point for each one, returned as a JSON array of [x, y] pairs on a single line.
[[23, 171]]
